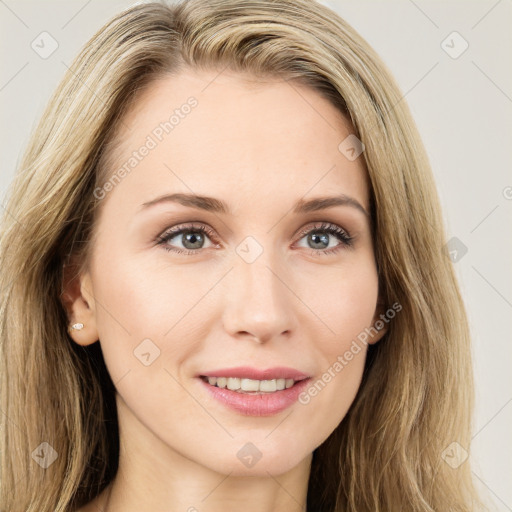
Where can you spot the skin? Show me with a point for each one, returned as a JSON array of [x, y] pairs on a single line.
[[260, 147]]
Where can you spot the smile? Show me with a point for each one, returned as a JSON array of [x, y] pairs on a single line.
[[250, 386]]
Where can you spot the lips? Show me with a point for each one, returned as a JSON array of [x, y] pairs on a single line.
[[255, 392], [247, 372]]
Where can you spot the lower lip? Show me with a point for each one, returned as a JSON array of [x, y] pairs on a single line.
[[264, 404]]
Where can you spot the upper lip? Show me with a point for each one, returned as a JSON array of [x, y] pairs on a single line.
[[247, 372]]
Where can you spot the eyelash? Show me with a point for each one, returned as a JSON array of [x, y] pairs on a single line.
[[326, 227]]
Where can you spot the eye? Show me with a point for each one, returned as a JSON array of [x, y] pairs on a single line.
[[191, 237], [319, 238]]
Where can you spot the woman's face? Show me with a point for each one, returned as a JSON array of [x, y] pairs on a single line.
[[273, 284]]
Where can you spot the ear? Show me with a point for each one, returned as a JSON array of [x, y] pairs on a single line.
[[380, 323], [77, 298]]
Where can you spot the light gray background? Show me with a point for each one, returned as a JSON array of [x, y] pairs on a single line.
[[462, 107]]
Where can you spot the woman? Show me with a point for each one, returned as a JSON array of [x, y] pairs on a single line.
[[224, 283]]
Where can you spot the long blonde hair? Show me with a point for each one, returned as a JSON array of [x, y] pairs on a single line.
[[416, 396]]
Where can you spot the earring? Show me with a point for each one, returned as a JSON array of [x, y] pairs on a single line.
[[77, 327]]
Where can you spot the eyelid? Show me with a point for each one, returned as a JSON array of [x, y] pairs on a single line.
[[327, 226], [186, 226]]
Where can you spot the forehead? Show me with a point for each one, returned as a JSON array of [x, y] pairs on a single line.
[[209, 132]]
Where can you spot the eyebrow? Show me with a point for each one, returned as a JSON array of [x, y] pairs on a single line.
[[214, 205]]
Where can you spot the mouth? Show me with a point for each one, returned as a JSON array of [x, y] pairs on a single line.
[[254, 392], [250, 386]]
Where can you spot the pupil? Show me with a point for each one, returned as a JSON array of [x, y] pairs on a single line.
[[193, 238], [320, 239]]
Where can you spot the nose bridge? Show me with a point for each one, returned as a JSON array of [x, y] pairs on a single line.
[[260, 284], [258, 301]]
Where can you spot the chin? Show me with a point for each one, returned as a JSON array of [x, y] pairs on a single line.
[[257, 459]]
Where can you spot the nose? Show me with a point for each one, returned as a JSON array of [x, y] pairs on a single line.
[[259, 305]]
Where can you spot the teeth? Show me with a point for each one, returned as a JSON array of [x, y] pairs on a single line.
[[233, 383], [269, 386], [251, 385]]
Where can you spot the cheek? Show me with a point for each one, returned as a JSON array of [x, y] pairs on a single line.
[[347, 306], [147, 298], [346, 301], [138, 304], [147, 332]]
